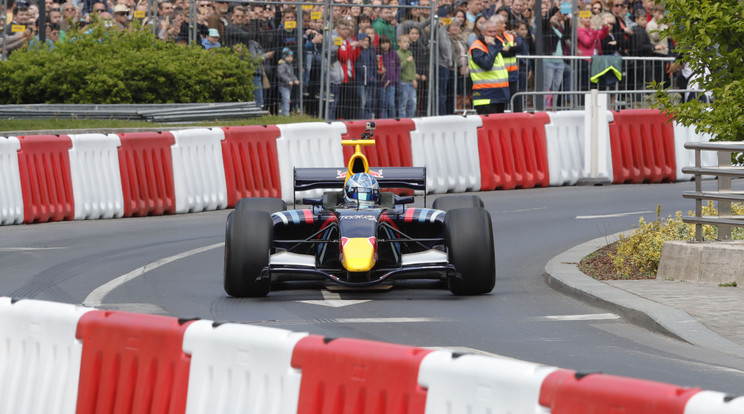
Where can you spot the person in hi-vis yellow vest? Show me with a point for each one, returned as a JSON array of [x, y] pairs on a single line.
[[488, 71]]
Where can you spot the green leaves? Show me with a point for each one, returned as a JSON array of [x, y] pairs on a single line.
[[709, 36], [101, 65]]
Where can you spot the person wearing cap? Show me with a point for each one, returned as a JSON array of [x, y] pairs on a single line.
[[287, 78], [212, 40], [121, 16]]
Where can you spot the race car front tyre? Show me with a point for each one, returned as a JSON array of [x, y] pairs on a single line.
[[269, 205], [469, 238], [247, 247], [448, 203]]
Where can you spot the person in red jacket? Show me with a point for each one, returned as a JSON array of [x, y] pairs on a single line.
[[348, 52]]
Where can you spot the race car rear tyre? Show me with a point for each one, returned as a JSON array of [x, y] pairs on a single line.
[[269, 205], [247, 247], [469, 238], [448, 203]]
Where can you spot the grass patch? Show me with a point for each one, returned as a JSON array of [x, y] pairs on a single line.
[[732, 284], [10, 125]]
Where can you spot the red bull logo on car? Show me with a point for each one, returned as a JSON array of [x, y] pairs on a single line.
[[341, 174]]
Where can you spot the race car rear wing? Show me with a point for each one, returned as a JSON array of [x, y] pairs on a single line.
[[412, 178]]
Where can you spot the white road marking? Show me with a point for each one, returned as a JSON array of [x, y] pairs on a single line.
[[95, 298], [150, 308], [346, 320], [387, 320], [588, 317], [29, 249], [522, 210], [632, 213], [333, 300]]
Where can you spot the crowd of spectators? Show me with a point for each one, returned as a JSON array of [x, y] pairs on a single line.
[[379, 49]]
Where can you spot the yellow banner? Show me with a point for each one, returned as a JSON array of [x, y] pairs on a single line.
[[338, 41], [140, 14], [585, 14], [17, 28], [316, 15], [290, 24], [307, 7]]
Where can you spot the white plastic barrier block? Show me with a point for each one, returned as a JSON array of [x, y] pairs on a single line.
[[565, 141], [96, 180], [448, 147], [11, 195], [39, 356], [198, 170], [711, 402], [241, 369], [480, 384], [308, 145], [597, 149], [685, 157]]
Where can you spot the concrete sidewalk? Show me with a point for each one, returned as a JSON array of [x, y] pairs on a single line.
[[705, 315]]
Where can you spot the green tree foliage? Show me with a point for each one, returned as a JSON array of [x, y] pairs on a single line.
[[709, 35], [103, 65]]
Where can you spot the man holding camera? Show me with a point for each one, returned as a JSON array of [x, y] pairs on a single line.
[[488, 71]]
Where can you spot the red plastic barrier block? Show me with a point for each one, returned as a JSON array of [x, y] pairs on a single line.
[[356, 376], [146, 168], [513, 151], [642, 143], [565, 392], [251, 162], [46, 182], [392, 142], [132, 363]]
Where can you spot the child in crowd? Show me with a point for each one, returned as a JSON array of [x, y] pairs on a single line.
[[336, 78], [407, 85], [287, 79], [421, 58], [366, 76], [212, 40], [390, 77]]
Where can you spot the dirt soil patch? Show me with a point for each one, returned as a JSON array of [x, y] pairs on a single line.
[[599, 265]]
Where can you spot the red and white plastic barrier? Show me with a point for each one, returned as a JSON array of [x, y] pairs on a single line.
[[59, 177], [11, 196], [61, 358], [198, 171], [448, 147], [316, 144], [96, 180]]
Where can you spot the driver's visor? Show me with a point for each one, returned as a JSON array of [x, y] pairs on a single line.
[[361, 194]]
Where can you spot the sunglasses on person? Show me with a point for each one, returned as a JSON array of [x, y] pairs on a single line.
[[99, 10], [620, 5]]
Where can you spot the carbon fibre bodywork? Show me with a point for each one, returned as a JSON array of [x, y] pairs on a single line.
[[405, 242]]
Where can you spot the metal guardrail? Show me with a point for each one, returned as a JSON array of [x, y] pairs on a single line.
[[725, 172], [162, 113]]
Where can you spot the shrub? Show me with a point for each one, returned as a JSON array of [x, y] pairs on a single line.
[[638, 255], [101, 65]]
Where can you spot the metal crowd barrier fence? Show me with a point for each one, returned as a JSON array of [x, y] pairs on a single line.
[[266, 34], [568, 93], [725, 195]]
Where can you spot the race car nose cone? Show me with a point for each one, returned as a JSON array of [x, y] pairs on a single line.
[[358, 253]]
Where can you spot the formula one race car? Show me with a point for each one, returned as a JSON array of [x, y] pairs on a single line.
[[360, 236]]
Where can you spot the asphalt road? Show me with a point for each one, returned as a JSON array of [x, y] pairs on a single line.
[[173, 265]]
